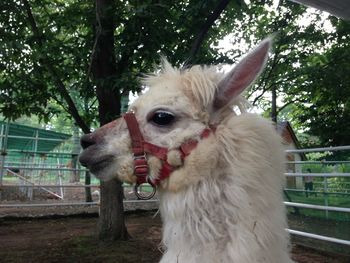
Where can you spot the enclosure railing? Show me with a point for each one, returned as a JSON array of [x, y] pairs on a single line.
[[325, 175], [6, 167], [45, 187], [31, 170]]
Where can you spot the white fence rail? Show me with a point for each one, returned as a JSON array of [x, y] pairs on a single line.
[[323, 149], [319, 237], [318, 174], [324, 175], [319, 207]]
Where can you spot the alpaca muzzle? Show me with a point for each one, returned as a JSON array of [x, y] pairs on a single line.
[[91, 144]]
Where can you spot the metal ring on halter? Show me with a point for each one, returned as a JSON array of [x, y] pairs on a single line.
[[144, 197]]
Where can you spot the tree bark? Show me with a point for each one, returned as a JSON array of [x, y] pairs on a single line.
[[205, 28], [274, 105], [88, 197], [111, 225], [75, 175]]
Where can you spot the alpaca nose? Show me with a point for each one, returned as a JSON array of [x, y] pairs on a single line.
[[97, 136], [87, 140]]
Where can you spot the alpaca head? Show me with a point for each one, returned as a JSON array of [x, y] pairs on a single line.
[[178, 106]]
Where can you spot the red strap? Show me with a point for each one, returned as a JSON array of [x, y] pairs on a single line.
[[157, 151], [140, 162], [187, 147], [164, 172], [139, 146], [135, 134], [206, 132], [141, 167]]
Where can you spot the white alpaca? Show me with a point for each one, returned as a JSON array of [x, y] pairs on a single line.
[[222, 202]]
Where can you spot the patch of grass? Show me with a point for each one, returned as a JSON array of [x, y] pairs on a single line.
[[321, 199]]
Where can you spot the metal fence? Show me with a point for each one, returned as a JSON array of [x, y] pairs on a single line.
[[325, 190]]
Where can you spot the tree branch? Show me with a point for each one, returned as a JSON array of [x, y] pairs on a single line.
[[50, 68], [289, 103], [261, 94], [263, 80], [98, 30], [205, 28]]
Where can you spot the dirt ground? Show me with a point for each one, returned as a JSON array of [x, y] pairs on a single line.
[[73, 239]]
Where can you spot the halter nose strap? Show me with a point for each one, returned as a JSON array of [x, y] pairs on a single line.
[[137, 144], [135, 134]]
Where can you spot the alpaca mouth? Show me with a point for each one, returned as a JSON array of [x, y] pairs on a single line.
[[94, 163]]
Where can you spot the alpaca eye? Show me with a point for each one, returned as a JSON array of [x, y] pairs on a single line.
[[162, 118]]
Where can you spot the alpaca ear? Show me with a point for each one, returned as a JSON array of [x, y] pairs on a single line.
[[242, 75]]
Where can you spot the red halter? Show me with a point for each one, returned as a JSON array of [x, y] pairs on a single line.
[[140, 147]]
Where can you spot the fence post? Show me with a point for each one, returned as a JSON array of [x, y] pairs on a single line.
[[3, 148], [325, 188]]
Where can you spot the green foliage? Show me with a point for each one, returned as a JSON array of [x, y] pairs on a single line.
[[27, 87], [326, 112], [308, 67], [65, 40]]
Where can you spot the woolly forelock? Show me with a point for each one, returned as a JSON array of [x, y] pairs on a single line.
[[198, 83]]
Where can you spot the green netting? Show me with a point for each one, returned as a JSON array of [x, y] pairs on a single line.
[[30, 139]]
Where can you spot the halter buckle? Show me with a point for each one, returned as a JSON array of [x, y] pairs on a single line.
[[140, 165], [141, 156]]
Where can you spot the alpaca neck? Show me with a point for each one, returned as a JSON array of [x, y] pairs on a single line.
[[198, 213]]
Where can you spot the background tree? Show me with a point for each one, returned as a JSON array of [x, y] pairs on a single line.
[[326, 92], [305, 80]]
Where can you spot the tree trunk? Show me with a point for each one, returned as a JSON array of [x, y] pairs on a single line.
[[88, 197], [74, 174], [111, 225], [274, 105], [213, 16]]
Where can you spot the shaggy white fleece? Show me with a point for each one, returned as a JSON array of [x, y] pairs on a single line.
[[232, 210]]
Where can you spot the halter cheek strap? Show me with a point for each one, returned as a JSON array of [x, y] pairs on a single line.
[[140, 148]]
